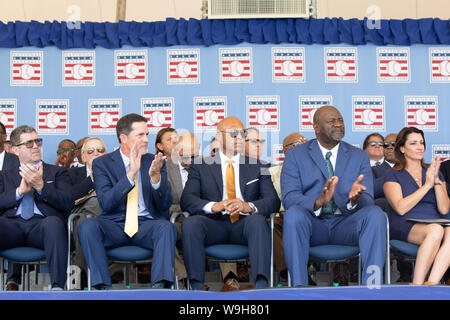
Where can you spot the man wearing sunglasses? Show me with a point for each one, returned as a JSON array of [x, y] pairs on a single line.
[[229, 199], [35, 199], [65, 153], [253, 143], [134, 194], [7, 160], [85, 198]]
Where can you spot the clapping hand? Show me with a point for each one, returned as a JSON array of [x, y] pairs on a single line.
[[357, 190], [32, 176], [432, 174], [135, 161], [155, 169], [327, 192]]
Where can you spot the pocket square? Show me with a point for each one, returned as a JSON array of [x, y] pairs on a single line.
[[50, 181], [250, 182]]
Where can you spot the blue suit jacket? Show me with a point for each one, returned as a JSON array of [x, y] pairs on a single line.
[[205, 184], [56, 198], [378, 178], [112, 187], [304, 175], [10, 161]]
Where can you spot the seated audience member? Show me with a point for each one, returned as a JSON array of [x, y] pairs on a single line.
[[134, 194], [292, 140], [65, 153], [7, 160], [229, 200], [374, 146], [416, 191], [35, 199], [85, 198], [166, 140], [213, 147], [253, 143], [445, 170], [327, 191], [77, 161], [185, 152]]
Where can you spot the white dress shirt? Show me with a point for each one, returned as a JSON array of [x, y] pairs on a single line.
[[2, 159], [184, 174], [373, 162], [223, 161], [142, 209]]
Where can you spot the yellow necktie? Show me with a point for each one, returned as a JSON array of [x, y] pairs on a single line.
[[231, 188], [131, 218]]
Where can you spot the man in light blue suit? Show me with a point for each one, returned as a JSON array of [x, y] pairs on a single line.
[[116, 175], [327, 191]]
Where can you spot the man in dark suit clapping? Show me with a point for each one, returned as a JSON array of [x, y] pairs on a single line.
[[229, 198]]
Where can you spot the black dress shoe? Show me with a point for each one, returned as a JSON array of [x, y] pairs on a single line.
[[12, 286]]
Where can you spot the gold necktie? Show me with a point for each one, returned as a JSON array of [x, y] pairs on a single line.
[[131, 218], [231, 188]]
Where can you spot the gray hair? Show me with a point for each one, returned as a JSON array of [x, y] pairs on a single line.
[[17, 132]]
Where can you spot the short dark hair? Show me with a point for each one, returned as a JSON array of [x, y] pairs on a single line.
[[366, 140], [17, 132], [126, 122], [159, 136], [3, 128]]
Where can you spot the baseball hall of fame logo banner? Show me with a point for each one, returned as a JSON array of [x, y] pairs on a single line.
[[78, 68], [52, 116], [208, 112], [183, 66], [103, 115], [422, 112], [439, 65], [368, 113], [159, 113], [308, 106], [277, 154], [130, 67], [27, 68], [288, 64], [341, 64], [235, 65], [442, 151], [393, 65], [8, 113], [263, 112]]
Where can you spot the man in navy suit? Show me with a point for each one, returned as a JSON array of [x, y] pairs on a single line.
[[229, 198], [116, 175], [327, 191], [7, 160], [35, 199]]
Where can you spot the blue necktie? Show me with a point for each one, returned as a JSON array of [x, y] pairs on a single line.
[[27, 205], [330, 207]]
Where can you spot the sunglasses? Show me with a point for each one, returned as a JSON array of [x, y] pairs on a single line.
[[373, 144], [254, 140], [99, 150], [387, 144], [186, 158], [29, 143], [234, 133], [61, 150], [215, 150]]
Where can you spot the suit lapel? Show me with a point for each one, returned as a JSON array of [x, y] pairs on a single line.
[[342, 160], [243, 168], [318, 158], [216, 168], [174, 176]]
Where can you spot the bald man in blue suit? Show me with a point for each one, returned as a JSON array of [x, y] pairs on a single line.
[[327, 191]]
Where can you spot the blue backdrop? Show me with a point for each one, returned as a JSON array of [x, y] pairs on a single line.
[[202, 42]]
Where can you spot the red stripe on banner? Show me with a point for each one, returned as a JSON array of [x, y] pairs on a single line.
[[374, 110], [280, 68], [399, 61], [347, 61], [388, 75], [230, 61], [44, 113], [96, 113], [166, 125], [172, 63], [57, 127], [35, 65], [33, 78], [69, 65], [123, 64], [72, 78], [9, 126], [282, 61], [125, 78], [345, 75], [439, 75], [241, 75], [267, 109], [365, 124], [254, 123], [427, 110], [44, 120], [205, 110], [438, 61], [175, 69], [162, 111], [100, 127], [187, 77], [8, 113], [292, 75]]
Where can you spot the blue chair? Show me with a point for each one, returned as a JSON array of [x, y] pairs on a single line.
[[219, 253], [404, 251], [26, 256]]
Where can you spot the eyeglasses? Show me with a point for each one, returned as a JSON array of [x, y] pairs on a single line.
[[215, 150], [29, 143], [374, 143], [254, 140], [61, 150], [234, 133], [387, 144], [186, 158], [99, 150]]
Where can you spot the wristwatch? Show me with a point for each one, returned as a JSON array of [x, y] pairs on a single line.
[[438, 183], [252, 206]]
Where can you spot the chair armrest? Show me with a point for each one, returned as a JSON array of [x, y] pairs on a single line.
[[175, 215]]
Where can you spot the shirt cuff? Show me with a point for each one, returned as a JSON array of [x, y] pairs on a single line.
[[350, 207], [208, 207], [18, 197], [318, 212], [156, 185]]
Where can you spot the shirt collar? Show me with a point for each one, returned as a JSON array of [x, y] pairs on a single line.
[[125, 159], [373, 162], [224, 158], [334, 151]]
